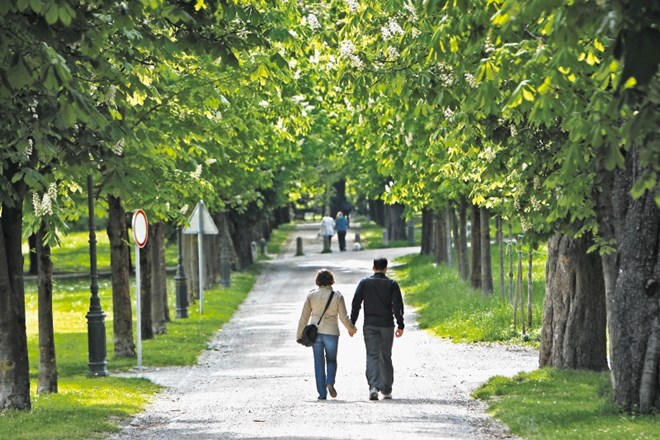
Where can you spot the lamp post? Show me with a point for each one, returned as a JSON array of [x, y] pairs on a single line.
[[95, 315], [180, 283]]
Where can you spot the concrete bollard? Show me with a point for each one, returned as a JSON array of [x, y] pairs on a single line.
[[299, 247], [411, 233], [326, 244], [253, 249], [386, 239], [262, 245], [357, 237]]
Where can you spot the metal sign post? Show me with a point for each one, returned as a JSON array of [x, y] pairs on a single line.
[[140, 234], [201, 223]]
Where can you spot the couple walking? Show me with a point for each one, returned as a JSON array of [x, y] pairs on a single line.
[[383, 304]]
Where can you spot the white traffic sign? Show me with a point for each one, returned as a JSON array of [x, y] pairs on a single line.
[[201, 221], [140, 228]]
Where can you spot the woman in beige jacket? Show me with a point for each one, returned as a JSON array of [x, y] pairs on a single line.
[[327, 341]]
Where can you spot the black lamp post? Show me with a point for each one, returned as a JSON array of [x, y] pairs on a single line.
[[180, 283], [95, 316]]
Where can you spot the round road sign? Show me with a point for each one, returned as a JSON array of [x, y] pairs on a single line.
[[140, 228]]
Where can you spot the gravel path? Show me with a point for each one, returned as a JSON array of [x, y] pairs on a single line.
[[254, 381]]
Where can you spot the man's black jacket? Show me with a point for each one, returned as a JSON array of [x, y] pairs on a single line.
[[382, 300]]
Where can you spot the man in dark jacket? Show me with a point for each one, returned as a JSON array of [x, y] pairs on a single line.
[[383, 304]]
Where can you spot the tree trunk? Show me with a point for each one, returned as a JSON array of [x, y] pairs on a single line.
[[453, 221], [486, 263], [475, 274], [632, 286], [122, 313], [14, 365], [377, 212], [573, 334], [158, 278], [500, 249], [32, 244], [47, 361], [395, 222], [427, 232], [463, 264], [145, 292], [440, 235]]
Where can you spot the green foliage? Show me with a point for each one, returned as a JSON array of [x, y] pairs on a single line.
[[562, 404]]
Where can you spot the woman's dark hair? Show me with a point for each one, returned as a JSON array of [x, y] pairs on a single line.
[[325, 278]]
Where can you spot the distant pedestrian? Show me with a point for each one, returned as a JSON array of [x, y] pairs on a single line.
[[327, 341], [383, 304], [327, 228], [341, 226]]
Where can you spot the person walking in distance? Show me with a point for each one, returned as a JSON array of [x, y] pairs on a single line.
[[327, 340], [341, 226], [383, 304]]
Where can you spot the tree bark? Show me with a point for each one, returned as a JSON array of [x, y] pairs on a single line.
[[47, 360], [463, 264], [573, 335], [32, 244], [500, 249], [632, 286], [145, 292], [486, 263], [158, 278], [440, 235], [395, 222], [122, 313], [14, 364], [475, 274], [427, 232]]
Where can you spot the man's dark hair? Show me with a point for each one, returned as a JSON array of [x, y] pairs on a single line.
[[380, 263], [324, 278]]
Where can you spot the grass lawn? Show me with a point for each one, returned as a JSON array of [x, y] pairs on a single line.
[[543, 404], [89, 408]]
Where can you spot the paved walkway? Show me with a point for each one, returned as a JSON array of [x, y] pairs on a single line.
[[256, 382]]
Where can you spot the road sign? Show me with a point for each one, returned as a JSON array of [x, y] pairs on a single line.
[[140, 228], [201, 221]]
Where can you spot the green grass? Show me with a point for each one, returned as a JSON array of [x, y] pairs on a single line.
[[371, 235], [450, 308], [558, 404], [89, 408]]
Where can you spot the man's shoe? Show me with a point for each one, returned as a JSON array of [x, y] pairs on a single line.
[[373, 394], [331, 390], [387, 396]]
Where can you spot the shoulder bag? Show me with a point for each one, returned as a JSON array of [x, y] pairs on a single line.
[[311, 330]]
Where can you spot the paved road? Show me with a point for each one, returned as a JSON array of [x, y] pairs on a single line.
[[256, 382]]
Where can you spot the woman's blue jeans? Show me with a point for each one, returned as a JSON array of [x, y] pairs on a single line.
[[325, 354]]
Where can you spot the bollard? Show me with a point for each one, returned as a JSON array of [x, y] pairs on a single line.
[[299, 247], [225, 271], [357, 237], [262, 245], [326, 244], [253, 250], [411, 233], [386, 239]]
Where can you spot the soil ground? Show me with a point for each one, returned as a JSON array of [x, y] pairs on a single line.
[[255, 381]]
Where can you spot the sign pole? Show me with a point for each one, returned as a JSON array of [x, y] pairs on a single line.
[[138, 307], [140, 234], [200, 251]]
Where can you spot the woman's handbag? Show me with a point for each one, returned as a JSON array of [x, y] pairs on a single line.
[[311, 330]]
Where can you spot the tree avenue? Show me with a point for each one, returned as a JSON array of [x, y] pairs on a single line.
[[539, 112]]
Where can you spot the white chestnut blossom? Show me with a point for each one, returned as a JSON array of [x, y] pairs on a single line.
[[184, 209], [353, 5], [313, 22], [44, 206], [392, 53], [197, 173], [391, 30], [118, 147]]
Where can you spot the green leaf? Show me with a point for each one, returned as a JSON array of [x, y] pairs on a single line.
[[614, 158], [19, 75], [52, 14]]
